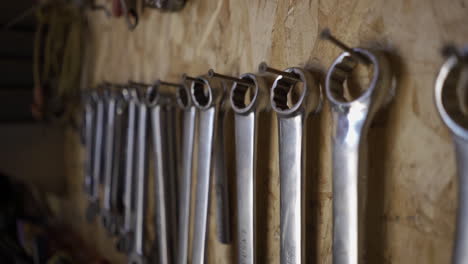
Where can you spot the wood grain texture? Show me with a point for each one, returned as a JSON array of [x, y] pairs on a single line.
[[412, 183]]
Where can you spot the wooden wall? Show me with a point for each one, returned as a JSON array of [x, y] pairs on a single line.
[[412, 183]]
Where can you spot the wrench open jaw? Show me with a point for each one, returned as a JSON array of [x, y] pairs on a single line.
[[451, 88], [247, 101], [294, 95], [351, 120], [184, 101], [208, 96]]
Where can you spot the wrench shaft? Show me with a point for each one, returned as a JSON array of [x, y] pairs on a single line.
[[461, 243]]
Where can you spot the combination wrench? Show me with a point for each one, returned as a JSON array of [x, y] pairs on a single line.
[[157, 102], [351, 120], [184, 102], [93, 207], [87, 139], [207, 95], [137, 255], [295, 94], [110, 97], [248, 97], [124, 244], [450, 97]]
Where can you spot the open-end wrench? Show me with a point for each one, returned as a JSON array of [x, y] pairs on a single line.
[[124, 244], [157, 103], [137, 255], [184, 102], [248, 97], [207, 95], [93, 207], [351, 120], [110, 97], [449, 85], [294, 94]]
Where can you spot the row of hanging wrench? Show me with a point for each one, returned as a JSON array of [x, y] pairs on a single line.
[[294, 95]]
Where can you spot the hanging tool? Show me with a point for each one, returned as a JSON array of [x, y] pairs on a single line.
[[207, 95], [351, 119], [137, 255], [294, 94], [450, 97], [248, 97], [166, 5], [185, 103]]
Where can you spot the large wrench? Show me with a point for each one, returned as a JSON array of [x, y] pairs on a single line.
[[189, 118], [450, 84], [124, 244], [294, 94], [246, 130], [351, 119], [207, 95], [137, 255], [93, 207], [157, 103]]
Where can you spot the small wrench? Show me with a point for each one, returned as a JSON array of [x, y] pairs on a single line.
[[93, 207], [294, 94], [247, 100], [110, 97], [189, 118], [157, 103], [124, 244], [137, 255], [450, 83], [351, 119], [207, 95]]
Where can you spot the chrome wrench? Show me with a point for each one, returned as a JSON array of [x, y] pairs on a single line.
[[207, 95], [247, 100], [137, 255], [93, 207], [88, 137], [124, 244], [110, 97], [184, 102], [351, 120], [157, 103], [450, 84], [294, 94]]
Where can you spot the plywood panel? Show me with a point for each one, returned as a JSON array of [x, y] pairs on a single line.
[[412, 193]]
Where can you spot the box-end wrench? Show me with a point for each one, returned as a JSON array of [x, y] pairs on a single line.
[[451, 82], [295, 94], [93, 207], [157, 103], [137, 255], [124, 244], [184, 102], [207, 95], [110, 97], [351, 120], [248, 97]]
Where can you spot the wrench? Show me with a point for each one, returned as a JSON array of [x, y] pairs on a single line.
[[189, 118], [294, 94], [157, 103], [450, 83], [93, 207], [124, 244], [207, 95], [137, 255], [246, 131], [110, 97], [88, 137], [351, 119]]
